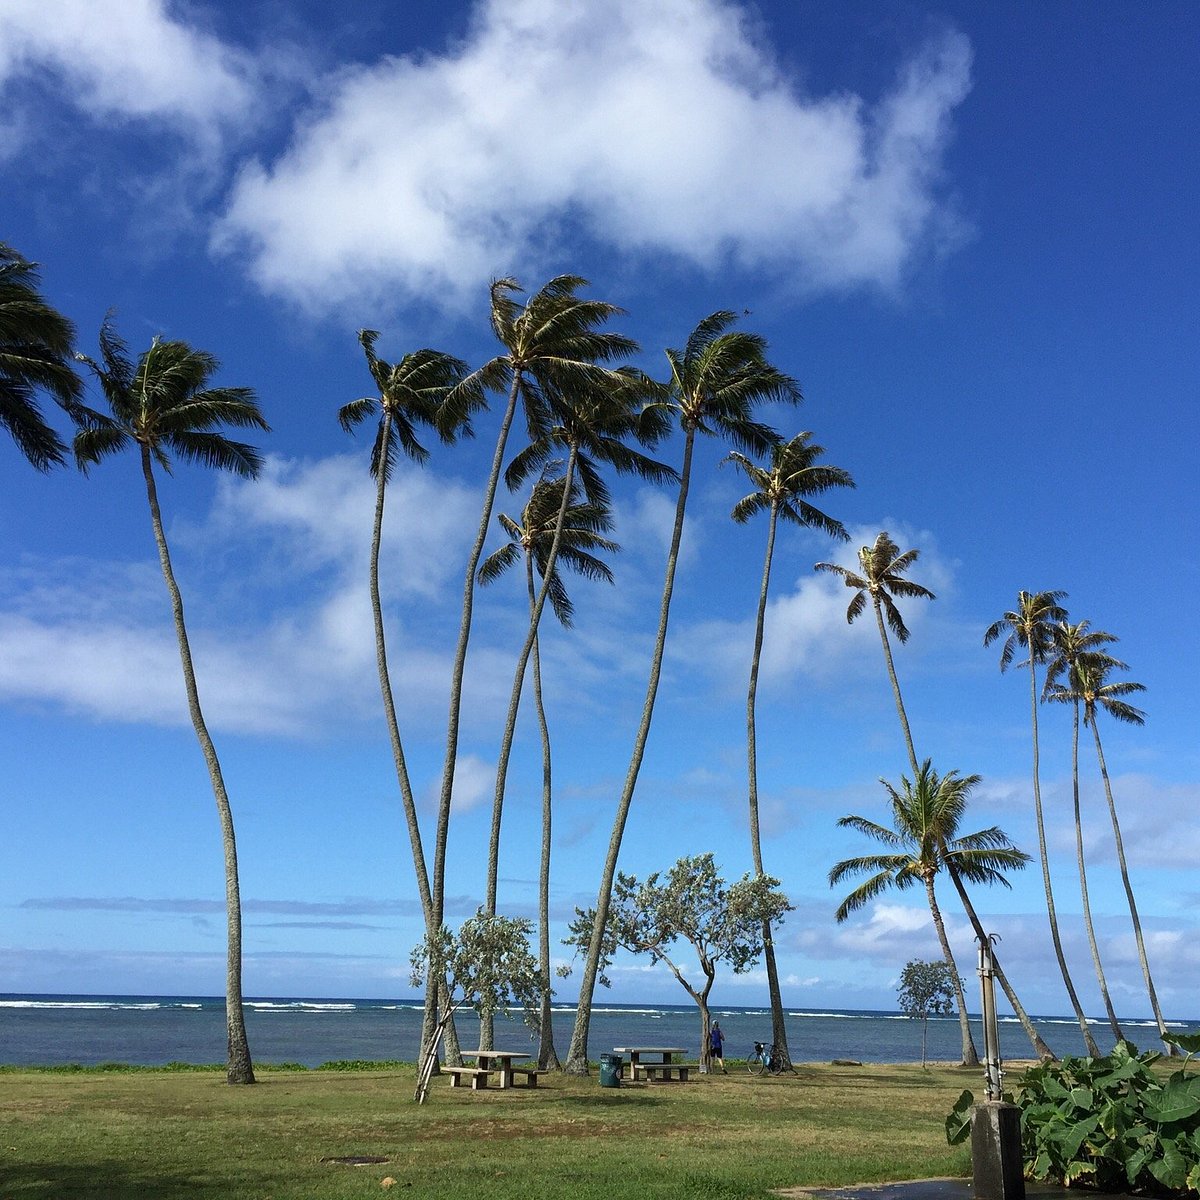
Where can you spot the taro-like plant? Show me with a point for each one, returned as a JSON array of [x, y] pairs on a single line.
[[1113, 1124]]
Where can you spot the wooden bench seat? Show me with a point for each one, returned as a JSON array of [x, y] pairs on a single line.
[[530, 1073], [664, 1072], [477, 1075]]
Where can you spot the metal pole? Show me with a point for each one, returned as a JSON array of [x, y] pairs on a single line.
[[993, 1074]]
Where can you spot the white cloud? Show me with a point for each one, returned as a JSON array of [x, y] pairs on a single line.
[[127, 58], [659, 127]]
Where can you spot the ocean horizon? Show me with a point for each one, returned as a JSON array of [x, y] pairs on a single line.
[[40, 1029]]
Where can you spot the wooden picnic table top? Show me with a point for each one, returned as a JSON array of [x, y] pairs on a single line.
[[482, 1055], [649, 1049]]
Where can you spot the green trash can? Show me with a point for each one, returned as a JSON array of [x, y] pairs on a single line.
[[610, 1070]]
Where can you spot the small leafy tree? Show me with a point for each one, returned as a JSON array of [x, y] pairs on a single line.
[[488, 965], [926, 990], [693, 905]]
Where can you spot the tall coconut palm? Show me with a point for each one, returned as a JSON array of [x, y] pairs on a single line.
[[1099, 695], [531, 538], [35, 355], [926, 813], [882, 568], [552, 342], [1029, 626], [1075, 644], [880, 577], [780, 491], [164, 406], [715, 384], [425, 388]]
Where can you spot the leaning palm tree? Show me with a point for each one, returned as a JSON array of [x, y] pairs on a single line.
[[425, 388], [780, 491], [582, 532], [882, 566], [1099, 695], [926, 813], [1029, 627], [164, 405], [715, 384], [552, 342], [1075, 644], [35, 355], [880, 577]]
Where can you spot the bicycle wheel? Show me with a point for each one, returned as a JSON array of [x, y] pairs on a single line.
[[775, 1063], [756, 1063]]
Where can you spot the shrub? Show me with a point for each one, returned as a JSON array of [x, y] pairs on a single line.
[[1108, 1123]]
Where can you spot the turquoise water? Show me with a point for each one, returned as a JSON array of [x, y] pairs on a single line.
[[153, 1030]]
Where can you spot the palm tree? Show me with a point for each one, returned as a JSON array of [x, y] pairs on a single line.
[[925, 818], [429, 388], [1098, 694], [532, 538], [1075, 644], [715, 383], [1029, 626], [882, 568], [35, 354], [780, 490], [553, 342], [164, 406]]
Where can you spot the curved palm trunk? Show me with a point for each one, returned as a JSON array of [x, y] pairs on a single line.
[[239, 1068], [547, 1055], [577, 1053], [486, 1019], [1044, 1053], [429, 1020], [438, 896], [1088, 1040], [1133, 913], [1083, 886], [778, 1025], [969, 1056]]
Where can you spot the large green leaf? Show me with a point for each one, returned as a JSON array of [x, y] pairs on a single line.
[[1171, 1169], [958, 1122], [1179, 1100], [1185, 1041]]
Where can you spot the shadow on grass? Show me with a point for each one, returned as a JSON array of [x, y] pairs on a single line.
[[104, 1181]]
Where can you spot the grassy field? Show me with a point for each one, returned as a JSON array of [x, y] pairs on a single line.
[[167, 1136]]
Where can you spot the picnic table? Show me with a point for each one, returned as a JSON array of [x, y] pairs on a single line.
[[492, 1062], [660, 1068]]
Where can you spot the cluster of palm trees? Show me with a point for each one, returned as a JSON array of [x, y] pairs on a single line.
[[586, 412]]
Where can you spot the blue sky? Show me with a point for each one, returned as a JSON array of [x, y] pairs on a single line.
[[967, 230]]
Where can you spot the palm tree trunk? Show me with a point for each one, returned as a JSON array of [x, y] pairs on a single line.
[[239, 1068], [547, 1055], [891, 670], [486, 1019], [1088, 1040], [577, 1053], [970, 1057], [458, 672], [778, 1025], [969, 1053], [1083, 886], [1133, 912], [1044, 1053], [408, 801]]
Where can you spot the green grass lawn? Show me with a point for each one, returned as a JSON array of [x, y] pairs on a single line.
[[166, 1135]]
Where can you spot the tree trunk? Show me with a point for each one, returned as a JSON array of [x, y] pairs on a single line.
[[1044, 1053], [778, 1024], [1133, 912], [1083, 886], [891, 670], [239, 1068], [970, 1057], [1088, 1040], [577, 1054], [486, 1018]]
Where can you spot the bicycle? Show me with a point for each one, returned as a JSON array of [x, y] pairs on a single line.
[[764, 1058]]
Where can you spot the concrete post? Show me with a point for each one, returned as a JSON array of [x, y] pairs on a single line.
[[996, 1151]]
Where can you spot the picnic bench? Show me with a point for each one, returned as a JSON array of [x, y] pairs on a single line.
[[493, 1062], [659, 1069]]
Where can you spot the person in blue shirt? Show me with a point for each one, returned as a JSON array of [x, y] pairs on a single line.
[[716, 1046]]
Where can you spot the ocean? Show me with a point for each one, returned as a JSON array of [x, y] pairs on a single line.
[[42, 1030]]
